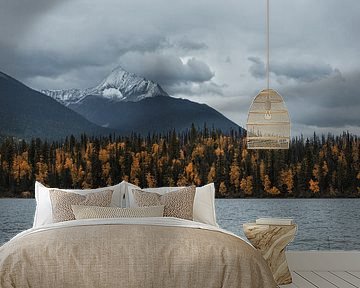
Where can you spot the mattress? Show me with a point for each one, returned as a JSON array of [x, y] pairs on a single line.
[[131, 252]]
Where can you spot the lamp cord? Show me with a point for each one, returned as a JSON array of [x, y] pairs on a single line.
[[267, 46]]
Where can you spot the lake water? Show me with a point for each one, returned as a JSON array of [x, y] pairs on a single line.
[[323, 224]]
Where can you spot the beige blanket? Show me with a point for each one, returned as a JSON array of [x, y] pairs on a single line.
[[101, 254]]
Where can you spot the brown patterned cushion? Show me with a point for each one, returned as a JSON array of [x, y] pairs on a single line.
[[178, 203], [61, 202]]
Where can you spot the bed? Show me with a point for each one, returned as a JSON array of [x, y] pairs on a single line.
[[131, 252]]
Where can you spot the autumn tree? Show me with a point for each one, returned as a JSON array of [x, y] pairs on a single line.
[[314, 186], [246, 185], [235, 174], [222, 189], [286, 179]]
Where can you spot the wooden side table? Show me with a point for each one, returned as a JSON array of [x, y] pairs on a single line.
[[271, 241]]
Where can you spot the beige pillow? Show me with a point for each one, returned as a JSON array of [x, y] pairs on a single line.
[[61, 202], [204, 201], [93, 212], [178, 203]]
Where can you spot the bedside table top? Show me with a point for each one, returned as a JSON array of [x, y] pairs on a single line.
[[259, 231], [257, 224]]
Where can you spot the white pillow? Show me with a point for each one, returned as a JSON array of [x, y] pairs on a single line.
[[43, 212], [128, 188], [204, 205], [204, 202]]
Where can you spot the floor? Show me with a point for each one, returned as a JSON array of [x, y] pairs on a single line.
[[325, 269], [324, 279]]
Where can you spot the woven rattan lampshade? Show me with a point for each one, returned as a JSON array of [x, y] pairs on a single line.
[[268, 123]]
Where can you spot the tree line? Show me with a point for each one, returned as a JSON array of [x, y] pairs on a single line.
[[319, 166]]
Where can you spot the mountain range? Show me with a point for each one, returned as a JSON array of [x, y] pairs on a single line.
[[26, 113], [123, 103], [119, 85]]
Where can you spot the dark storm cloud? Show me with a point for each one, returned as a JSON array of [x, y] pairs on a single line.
[[55, 63], [69, 40], [66, 41], [331, 117], [167, 70], [300, 71], [197, 71], [331, 102], [187, 44], [17, 15], [257, 68], [192, 48], [228, 60], [15, 19], [26, 63]]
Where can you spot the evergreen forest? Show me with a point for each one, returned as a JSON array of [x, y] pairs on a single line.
[[319, 166]]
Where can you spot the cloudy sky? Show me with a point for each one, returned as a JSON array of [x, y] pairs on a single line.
[[205, 50]]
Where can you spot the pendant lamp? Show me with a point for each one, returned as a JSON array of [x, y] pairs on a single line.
[[268, 122]]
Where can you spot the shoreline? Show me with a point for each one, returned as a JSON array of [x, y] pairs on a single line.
[[242, 198]]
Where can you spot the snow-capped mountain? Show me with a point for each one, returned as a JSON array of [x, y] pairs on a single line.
[[67, 96], [127, 103], [122, 103], [120, 85]]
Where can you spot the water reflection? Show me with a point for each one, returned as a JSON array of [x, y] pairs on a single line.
[[323, 224]]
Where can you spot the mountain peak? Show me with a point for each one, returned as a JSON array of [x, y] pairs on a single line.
[[117, 74], [119, 85], [131, 86]]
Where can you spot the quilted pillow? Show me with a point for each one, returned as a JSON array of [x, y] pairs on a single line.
[[61, 202], [204, 201], [177, 204], [93, 212]]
